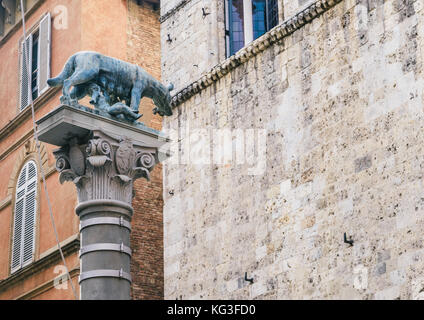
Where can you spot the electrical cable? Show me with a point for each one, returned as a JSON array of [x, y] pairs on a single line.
[[37, 143]]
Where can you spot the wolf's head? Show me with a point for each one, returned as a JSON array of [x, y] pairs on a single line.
[[163, 101]]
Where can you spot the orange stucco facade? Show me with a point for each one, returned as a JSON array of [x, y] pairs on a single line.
[[91, 25]]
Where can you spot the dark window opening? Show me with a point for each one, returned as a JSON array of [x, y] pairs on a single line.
[[34, 66], [263, 17], [259, 18], [272, 16], [236, 25]]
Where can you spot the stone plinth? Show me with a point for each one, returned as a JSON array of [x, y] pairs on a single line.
[[102, 157]]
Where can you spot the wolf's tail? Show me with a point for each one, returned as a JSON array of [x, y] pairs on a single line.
[[67, 71]]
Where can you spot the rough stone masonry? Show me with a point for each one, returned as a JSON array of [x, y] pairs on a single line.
[[322, 121]]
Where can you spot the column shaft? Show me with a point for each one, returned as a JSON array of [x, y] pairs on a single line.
[[105, 253]]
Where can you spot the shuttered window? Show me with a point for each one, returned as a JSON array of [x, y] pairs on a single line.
[[37, 60], [23, 242]]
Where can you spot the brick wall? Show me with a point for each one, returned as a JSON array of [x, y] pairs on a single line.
[[147, 238], [143, 49]]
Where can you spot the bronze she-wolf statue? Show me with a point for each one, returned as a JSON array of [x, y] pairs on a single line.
[[115, 86]]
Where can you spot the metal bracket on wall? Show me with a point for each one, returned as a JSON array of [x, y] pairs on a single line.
[[247, 279], [347, 241], [205, 13]]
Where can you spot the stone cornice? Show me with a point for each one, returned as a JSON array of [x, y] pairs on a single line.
[[273, 36], [71, 246], [18, 143]]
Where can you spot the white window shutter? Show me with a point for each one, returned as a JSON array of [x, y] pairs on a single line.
[[30, 210], [44, 54], [23, 243], [25, 76], [22, 177], [18, 220], [17, 235]]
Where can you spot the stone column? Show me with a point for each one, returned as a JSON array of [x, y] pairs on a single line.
[[103, 166]]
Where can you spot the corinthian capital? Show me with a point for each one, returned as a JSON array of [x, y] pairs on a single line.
[[104, 167]]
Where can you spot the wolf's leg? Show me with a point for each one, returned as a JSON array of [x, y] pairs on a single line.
[[80, 76], [78, 92], [136, 94]]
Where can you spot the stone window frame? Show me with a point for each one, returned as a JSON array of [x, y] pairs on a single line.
[[27, 153]]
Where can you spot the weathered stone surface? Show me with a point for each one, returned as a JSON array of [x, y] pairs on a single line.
[[340, 105]]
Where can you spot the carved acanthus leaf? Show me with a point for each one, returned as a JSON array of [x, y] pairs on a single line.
[[140, 172], [67, 175], [123, 178], [79, 180], [98, 161]]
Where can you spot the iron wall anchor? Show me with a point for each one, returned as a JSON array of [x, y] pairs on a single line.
[[247, 279], [350, 241]]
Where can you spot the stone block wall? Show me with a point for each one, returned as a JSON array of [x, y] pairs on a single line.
[[191, 42], [291, 7], [316, 135]]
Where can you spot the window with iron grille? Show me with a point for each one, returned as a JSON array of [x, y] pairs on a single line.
[[37, 59], [24, 221], [247, 20]]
